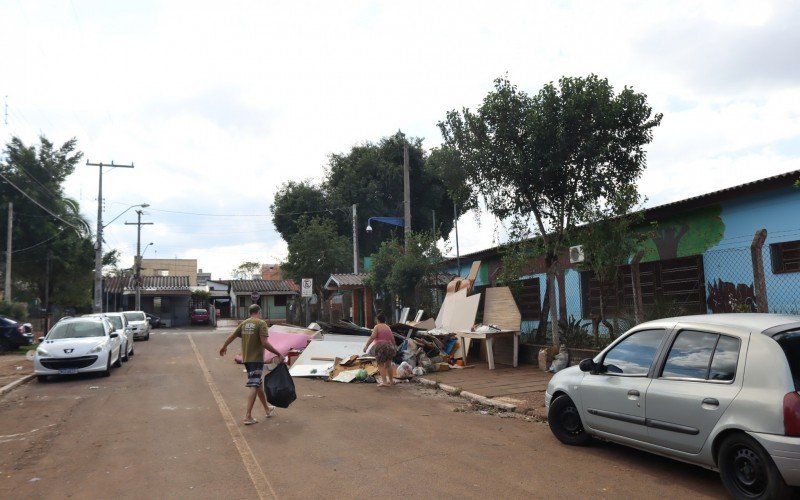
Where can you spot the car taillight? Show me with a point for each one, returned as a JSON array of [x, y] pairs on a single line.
[[21, 328], [791, 414]]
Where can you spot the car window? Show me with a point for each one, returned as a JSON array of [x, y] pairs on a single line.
[[690, 355], [200, 311], [702, 356], [790, 343], [77, 330], [635, 354], [135, 316], [116, 321]]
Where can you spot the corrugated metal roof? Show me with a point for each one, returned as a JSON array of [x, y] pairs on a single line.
[[345, 280], [152, 283], [263, 286]]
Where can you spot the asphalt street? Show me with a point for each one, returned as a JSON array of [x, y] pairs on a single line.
[[168, 425]]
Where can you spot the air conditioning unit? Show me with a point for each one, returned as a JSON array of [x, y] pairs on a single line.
[[576, 254]]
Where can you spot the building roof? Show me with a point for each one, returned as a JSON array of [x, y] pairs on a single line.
[[784, 180], [346, 281], [266, 287], [151, 285]]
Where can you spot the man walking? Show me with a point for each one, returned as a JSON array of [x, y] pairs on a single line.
[[254, 334]]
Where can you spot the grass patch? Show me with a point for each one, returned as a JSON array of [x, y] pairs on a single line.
[[19, 352], [456, 392]]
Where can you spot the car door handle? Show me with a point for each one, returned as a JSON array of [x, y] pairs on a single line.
[[710, 402], [634, 393]]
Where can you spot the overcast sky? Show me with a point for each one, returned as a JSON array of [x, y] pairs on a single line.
[[217, 104]]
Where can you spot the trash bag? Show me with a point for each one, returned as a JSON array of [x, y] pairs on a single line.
[[405, 370], [280, 387], [560, 361]]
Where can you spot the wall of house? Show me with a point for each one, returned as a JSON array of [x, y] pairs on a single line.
[[172, 267], [268, 308]]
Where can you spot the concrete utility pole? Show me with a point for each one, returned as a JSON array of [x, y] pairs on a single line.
[[355, 239], [137, 276], [406, 194], [7, 289], [455, 222], [97, 303]]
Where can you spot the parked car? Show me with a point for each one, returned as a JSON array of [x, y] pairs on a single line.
[[78, 345], [122, 329], [199, 317], [154, 320], [678, 387], [137, 321], [13, 334]]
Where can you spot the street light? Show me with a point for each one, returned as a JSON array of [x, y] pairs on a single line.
[[97, 306], [145, 248]]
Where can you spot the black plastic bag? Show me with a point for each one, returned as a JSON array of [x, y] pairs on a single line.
[[280, 387]]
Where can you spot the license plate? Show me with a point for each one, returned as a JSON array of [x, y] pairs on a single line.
[[67, 371]]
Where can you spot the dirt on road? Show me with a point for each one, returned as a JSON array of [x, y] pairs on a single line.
[[168, 425]]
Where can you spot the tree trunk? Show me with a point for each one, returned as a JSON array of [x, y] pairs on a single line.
[[551, 277], [544, 313]]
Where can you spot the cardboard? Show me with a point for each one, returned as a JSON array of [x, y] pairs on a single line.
[[306, 366]]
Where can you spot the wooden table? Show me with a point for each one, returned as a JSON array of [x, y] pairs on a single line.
[[489, 338]]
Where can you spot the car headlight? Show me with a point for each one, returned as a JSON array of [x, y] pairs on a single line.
[[98, 347], [42, 352]]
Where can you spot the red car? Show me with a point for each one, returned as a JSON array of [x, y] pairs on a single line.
[[199, 317]]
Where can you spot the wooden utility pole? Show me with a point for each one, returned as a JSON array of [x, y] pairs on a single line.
[[355, 239], [97, 303], [406, 194], [7, 289], [759, 281], [138, 264]]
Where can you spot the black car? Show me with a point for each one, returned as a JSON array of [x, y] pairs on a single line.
[[13, 334], [154, 320]]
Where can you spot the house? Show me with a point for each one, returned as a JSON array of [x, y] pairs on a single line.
[[202, 278], [220, 297], [274, 297], [271, 272], [361, 296], [171, 267], [165, 296], [697, 259]]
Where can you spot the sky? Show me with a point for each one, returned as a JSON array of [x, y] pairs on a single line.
[[217, 104]]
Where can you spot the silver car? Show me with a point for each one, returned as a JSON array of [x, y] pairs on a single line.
[[137, 321], [122, 329], [719, 391]]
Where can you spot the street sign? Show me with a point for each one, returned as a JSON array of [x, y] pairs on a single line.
[[306, 289], [255, 296]]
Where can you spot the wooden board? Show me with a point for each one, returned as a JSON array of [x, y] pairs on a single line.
[[500, 308]]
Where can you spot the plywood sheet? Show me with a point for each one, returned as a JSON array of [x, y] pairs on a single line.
[[501, 309], [305, 366]]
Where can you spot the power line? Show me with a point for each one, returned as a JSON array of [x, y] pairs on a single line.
[[40, 205], [36, 245]]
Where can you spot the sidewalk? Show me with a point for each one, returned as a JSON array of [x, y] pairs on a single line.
[[522, 386], [13, 367]]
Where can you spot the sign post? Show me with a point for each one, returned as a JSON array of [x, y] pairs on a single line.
[[306, 292]]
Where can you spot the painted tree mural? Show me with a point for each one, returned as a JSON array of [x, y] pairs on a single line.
[[685, 235]]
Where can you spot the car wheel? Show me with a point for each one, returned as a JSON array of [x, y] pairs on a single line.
[[41, 378], [130, 354], [747, 470], [118, 362], [124, 353], [565, 422], [147, 337], [107, 371]]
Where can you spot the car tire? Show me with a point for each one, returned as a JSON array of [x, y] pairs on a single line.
[[41, 378], [133, 348], [747, 470], [118, 362], [124, 353], [107, 371], [565, 422], [147, 337]]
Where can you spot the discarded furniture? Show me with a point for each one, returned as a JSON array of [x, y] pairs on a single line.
[[499, 309]]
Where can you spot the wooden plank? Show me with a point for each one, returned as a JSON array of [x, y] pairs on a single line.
[[500, 308]]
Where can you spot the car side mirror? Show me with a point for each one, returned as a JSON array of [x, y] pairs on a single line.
[[114, 335], [588, 365]]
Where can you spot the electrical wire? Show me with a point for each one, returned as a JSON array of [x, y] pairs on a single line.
[[36, 245], [40, 205]]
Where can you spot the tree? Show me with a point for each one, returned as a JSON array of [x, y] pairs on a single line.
[[317, 251], [553, 157], [371, 176], [47, 224], [246, 270]]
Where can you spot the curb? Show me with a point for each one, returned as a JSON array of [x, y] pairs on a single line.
[[13, 385], [475, 398]]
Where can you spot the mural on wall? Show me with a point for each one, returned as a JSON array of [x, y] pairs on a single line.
[[725, 297], [687, 234]]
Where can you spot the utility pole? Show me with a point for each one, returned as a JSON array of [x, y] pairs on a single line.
[[7, 289], [406, 194], [97, 303], [138, 264], [355, 239], [455, 222], [433, 214]]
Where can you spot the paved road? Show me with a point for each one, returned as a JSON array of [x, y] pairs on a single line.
[[166, 425]]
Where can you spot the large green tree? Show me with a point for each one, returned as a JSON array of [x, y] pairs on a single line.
[[47, 224], [316, 251], [370, 175], [553, 157]]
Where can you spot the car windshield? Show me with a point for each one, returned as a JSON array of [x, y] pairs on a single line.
[[200, 311], [135, 316], [790, 343], [116, 321], [77, 330]]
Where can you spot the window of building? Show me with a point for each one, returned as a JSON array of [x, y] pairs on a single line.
[[785, 257], [635, 354], [280, 300], [162, 272]]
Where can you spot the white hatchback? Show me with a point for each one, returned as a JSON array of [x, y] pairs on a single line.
[[122, 329], [137, 321], [78, 345]]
